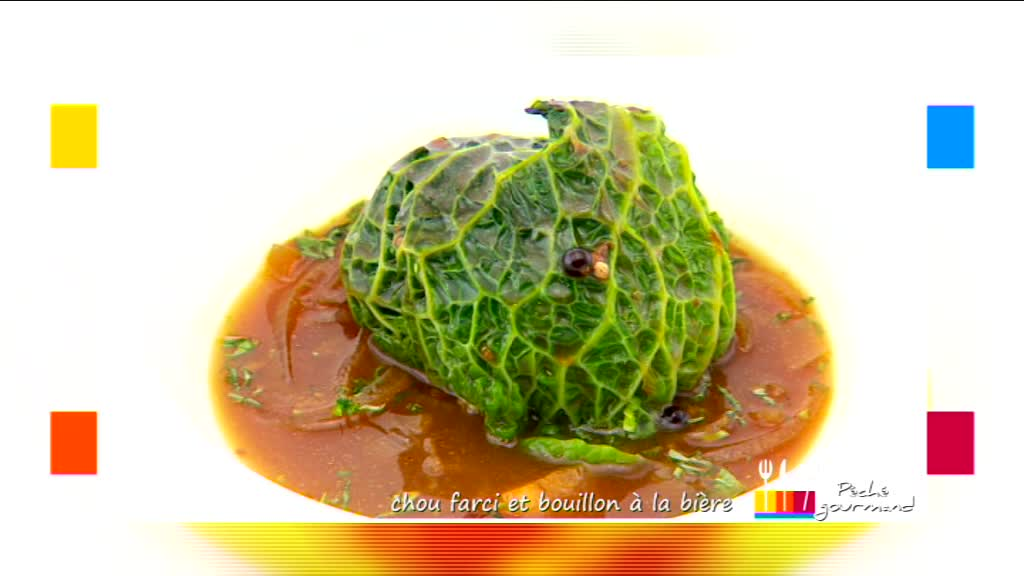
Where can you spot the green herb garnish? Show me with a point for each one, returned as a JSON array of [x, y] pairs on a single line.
[[817, 325], [358, 384], [346, 494], [763, 395], [736, 409], [238, 378], [715, 436], [236, 346], [337, 234], [807, 301], [348, 407], [414, 407], [783, 317], [723, 483], [244, 400], [695, 465], [652, 453], [315, 248], [346, 491]]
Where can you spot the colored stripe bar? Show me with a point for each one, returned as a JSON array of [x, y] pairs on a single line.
[[776, 501], [951, 443], [73, 442], [781, 516], [950, 137], [73, 136]]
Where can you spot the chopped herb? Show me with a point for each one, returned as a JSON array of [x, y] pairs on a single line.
[[315, 248], [337, 234], [715, 436], [807, 301], [236, 346], [359, 384], [414, 407], [652, 453], [694, 465], [783, 317], [726, 485], [738, 261], [817, 325], [723, 483], [244, 400], [736, 409], [346, 491], [349, 407], [346, 494], [238, 379], [763, 395], [695, 420]]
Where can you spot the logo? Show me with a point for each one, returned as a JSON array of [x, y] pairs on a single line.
[[784, 505]]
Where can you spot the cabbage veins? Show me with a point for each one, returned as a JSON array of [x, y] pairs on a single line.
[[457, 266]]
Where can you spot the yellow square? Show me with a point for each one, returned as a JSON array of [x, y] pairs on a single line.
[[73, 135], [765, 501]]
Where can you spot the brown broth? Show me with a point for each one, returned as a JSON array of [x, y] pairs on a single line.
[[426, 443]]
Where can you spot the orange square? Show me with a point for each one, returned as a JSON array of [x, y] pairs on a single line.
[[72, 442]]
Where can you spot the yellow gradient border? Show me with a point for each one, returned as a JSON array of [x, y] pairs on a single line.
[[596, 549]]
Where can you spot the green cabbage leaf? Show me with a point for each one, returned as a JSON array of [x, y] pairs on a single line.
[[458, 267]]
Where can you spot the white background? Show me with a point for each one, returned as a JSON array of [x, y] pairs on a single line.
[[226, 128]]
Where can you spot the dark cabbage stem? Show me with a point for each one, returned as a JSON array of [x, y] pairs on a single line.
[[385, 359]]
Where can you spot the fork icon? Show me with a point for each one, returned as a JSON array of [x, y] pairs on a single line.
[[764, 469]]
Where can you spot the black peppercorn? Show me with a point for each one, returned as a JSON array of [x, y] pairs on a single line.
[[577, 262], [673, 418]]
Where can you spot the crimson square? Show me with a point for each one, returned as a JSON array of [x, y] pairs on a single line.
[[951, 443]]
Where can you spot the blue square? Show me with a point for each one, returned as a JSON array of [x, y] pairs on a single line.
[[951, 137]]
